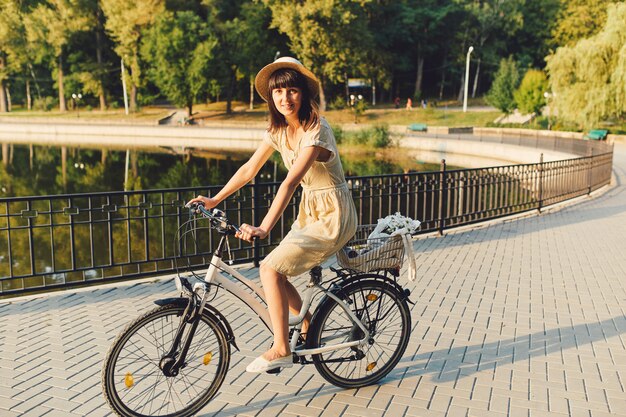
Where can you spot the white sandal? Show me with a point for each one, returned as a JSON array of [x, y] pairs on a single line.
[[261, 364]]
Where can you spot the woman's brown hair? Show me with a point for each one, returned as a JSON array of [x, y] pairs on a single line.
[[308, 115]]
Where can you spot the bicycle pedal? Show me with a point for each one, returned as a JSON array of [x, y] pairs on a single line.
[[274, 371]]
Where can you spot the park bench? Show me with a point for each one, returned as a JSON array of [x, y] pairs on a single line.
[[417, 127], [597, 134]]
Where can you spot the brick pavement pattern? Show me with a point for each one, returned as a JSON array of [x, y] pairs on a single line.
[[523, 317]]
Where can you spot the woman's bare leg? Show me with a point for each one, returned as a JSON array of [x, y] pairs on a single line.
[[295, 304], [274, 286]]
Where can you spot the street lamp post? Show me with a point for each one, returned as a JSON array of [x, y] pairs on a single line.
[[547, 95], [354, 103], [467, 62], [76, 98]]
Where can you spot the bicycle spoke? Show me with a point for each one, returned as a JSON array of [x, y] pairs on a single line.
[[387, 318], [153, 393]]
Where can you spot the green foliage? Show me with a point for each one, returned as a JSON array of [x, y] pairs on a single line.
[[579, 19], [506, 81], [179, 49], [125, 21], [530, 94], [12, 38], [245, 43], [380, 137], [359, 107], [369, 166], [326, 38], [588, 79], [51, 24], [44, 103], [181, 173], [338, 133], [377, 136], [339, 103], [534, 37], [402, 46]]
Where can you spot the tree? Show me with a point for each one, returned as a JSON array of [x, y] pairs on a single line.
[[14, 49], [579, 19], [420, 25], [179, 48], [258, 44], [588, 80], [330, 38], [506, 81], [495, 21], [531, 43], [51, 26], [529, 96], [125, 21], [244, 43], [9, 24]]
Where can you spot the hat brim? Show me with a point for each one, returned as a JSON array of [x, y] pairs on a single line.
[[261, 82]]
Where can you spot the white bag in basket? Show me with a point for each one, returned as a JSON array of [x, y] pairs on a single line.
[[408, 251], [397, 224]]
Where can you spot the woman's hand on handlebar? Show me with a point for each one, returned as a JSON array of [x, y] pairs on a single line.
[[207, 202], [248, 233]]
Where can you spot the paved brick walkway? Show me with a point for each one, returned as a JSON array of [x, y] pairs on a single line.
[[519, 318]]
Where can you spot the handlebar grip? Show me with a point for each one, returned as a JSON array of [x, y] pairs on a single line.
[[200, 208]]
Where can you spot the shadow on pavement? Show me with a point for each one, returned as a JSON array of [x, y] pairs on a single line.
[[447, 365]]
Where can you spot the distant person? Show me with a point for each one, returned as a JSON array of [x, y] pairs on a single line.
[[424, 103], [397, 102], [409, 104]]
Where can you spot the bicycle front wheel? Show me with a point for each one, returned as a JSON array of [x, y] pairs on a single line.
[[133, 382], [384, 312]]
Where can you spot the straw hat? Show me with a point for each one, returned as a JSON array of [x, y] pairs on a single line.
[[262, 78]]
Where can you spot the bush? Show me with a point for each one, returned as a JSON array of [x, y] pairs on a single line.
[[380, 138], [339, 103], [506, 81], [339, 135], [44, 103], [376, 137], [529, 96]]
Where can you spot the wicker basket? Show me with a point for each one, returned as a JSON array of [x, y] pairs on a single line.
[[365, 255]]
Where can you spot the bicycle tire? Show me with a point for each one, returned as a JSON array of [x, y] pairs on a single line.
[[332, 322], [121, 375]]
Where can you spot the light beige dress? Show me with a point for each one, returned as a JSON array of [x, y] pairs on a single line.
[[327, 217]]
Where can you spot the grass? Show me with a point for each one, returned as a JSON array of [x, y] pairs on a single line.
[[429, 116], [147, 115], [447, 113], [216, 113]]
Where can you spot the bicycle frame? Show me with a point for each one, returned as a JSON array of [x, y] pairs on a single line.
[[215, 277]]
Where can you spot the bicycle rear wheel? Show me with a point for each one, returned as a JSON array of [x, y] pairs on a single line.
[[384, 312], [134, 384]]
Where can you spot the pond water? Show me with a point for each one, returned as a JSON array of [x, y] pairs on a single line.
[[31, 170]]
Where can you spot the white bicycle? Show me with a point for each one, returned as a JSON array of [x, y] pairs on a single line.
[[171, 361]]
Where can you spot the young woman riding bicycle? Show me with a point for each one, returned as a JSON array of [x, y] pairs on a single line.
[[327, 217]]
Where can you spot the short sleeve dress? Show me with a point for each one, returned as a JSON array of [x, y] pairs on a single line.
[[327, 218]]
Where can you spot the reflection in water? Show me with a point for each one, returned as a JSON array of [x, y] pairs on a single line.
[[29, 170], [90, 237]]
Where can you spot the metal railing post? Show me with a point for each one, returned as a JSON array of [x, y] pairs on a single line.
[[442, 196], [589, 170], [540, 185], [255, 221]]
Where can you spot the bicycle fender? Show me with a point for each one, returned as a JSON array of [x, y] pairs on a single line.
[[402, 292], [208, 310]]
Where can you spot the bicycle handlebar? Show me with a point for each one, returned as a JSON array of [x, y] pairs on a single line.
[[217, 217]]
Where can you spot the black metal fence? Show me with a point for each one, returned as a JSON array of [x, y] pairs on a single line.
[[71, 240]]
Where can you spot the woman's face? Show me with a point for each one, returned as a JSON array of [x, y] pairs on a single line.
[[287, 100]]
